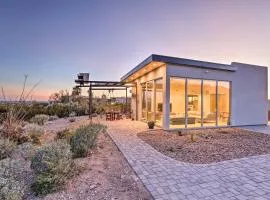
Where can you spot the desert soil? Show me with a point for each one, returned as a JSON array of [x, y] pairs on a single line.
[[209, 145], [105, 175]]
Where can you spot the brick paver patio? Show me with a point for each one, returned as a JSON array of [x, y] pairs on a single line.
[[166, 178]]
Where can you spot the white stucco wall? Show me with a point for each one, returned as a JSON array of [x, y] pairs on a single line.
[[248, 92]]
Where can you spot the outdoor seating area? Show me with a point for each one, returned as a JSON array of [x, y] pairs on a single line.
[[111, 116]]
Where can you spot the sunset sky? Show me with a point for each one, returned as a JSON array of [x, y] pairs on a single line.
[[52, 41]]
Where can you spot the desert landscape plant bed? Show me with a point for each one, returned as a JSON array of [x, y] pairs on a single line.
[[208, 145], [105, 175]]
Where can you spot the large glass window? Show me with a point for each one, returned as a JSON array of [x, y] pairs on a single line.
[[143, 101], [177, 102], [194, 98], [209, 103], [159, 102], [149, 101], [223, 103]]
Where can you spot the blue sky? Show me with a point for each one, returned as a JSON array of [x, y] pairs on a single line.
[[54, 40]]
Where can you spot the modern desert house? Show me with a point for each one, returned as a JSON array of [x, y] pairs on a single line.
[[181, 93]]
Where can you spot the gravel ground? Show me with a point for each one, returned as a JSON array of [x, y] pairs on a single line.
[[52, 127], [209, 145]]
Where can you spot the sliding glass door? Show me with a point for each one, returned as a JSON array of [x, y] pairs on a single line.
[[177, 102], [149, 101], [194, 100], [158, 102], [152, 101], [209, 103], [143, 85], [199, 103], [223, 103]]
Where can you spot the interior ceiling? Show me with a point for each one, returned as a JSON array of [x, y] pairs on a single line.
[[146, 69]]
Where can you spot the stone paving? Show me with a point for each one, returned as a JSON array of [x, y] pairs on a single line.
[[166, 178]]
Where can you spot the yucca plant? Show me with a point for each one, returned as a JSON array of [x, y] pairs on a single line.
[[16, 111]]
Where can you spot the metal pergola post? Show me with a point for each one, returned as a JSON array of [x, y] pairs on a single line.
[[90, 102], [126, 102]]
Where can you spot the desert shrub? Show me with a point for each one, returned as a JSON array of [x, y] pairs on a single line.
[[84, 139], [1, 118], [72, 114], [64, 134], [59, 109], [40, 119], [53, 117], [34, 129], [34, 109], [24, 151], [6, 148], [35, 132], [53, 165], [192, 137], [35, 139], [23, 139]]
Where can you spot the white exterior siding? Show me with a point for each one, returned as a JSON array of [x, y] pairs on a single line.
[[248, 91]]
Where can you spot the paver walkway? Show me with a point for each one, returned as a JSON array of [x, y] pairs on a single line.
[[166, 178]]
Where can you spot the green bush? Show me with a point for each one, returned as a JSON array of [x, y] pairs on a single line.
[[64, 134], [72, 114], [59, 109], [53, 117], [84, 139], [53, 165], [6, 148], [40, 119]]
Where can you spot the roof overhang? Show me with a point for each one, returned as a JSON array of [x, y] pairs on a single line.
[[159, 60]]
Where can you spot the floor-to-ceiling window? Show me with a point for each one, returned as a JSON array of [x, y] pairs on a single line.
[[209, 102], [223, 103], [194, 99], [143, 85], [149, 101], [197, 102], [152, 101], [177, 102], [159, 101]]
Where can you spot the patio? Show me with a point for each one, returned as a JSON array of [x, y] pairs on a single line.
[[166, 178]]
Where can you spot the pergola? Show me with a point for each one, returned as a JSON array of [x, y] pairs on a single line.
[[101, 85]]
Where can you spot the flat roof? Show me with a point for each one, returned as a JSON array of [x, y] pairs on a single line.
[[179, 61]]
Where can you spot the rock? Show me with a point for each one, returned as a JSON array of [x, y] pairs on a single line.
[[91, 187]]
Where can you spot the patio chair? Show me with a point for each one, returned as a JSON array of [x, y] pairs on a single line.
[[108, 117]]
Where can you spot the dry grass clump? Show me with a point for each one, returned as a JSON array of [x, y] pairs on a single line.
[[34, 131], [40, 119]]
